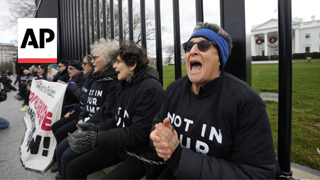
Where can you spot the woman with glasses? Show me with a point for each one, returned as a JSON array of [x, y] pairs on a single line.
[[212, 125], [101, 93], [63, 71]]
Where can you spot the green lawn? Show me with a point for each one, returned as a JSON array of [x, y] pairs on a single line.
[[305, 104]]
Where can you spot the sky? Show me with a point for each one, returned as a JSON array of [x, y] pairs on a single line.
[[257, 12]]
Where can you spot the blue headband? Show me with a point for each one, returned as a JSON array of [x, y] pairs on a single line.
[[219, 40]]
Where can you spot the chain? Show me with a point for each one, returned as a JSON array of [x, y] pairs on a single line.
[[144, 159]]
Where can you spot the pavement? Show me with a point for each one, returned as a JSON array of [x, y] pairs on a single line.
[[11, 138]]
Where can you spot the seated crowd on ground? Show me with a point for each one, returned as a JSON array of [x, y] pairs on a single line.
[[206, 125]]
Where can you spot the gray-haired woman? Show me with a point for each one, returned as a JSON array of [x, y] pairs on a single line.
[[219, 126]]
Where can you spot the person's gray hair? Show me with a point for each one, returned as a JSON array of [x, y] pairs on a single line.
[[217, 29], [105, 47]]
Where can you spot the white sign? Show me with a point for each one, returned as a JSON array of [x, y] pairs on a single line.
[[37, 40], [45, 104]]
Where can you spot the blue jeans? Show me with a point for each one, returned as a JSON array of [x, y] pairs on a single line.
[[3, 123]]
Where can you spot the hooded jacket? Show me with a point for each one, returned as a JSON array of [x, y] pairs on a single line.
[[3, 95], [63, 76], [102, 91], [136, 105], [79, 80]]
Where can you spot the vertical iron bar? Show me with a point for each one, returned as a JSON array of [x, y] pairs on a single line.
[[158, 39], [143, 24], [92, 22], [60, 15], [80, 34], [199, 11], [285, 86], [88, 28], [120, 21], [75, 29], [68, 29], [130, 20], [83, 31], [111, 20], [177, 41], [98, 18], [104, 19], [71, 28]]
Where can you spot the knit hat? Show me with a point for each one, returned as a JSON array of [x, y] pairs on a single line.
[[76, 63], [64, 62], [89, 57], [53, 66]]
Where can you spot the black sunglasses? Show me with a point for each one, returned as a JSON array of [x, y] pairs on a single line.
[[202, 45], [85, 63]]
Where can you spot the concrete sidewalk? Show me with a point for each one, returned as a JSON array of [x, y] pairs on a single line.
[[10, 140]]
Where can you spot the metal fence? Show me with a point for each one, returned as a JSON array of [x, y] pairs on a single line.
[[78, 27]]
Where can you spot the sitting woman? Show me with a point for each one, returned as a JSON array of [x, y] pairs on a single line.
[[101, 91], [125, 137], [212, 125]]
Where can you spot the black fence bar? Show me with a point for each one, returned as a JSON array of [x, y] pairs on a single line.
[[120, 21], [130, 20], [232, 19], [75, 29], [199, 11], [98, 18], [158, 39], [88, 28], [80, 33], [83, 30], [104, 19], [111, 20], [60, 19], [177, 41], [92, 22], [143, 24], [285, 86], [70, 31]]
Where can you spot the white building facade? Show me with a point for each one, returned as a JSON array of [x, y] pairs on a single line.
[[7, 51], [305, 37]]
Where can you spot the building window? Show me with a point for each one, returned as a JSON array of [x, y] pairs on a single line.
[[307, 49], [307, 36]]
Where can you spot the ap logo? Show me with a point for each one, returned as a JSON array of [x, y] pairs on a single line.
[[37, 40]]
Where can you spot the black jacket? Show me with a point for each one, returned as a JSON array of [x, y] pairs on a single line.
[[79, 80], [63, 76], [224, 132], [102, 92], [137, 103], [3, 95]]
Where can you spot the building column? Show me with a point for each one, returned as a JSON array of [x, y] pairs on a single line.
[[253, 46], [266, 44], [296, 41]]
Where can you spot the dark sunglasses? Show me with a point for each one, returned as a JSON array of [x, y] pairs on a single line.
[[70, 67], [85, 63], [60, 66], [202, 45]]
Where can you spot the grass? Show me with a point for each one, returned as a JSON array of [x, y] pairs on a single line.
[[305, 104]]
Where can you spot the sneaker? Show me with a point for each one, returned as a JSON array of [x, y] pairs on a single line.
[[25, 108]]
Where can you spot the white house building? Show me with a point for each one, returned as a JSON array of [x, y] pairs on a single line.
[[305, 37], [7, 51]]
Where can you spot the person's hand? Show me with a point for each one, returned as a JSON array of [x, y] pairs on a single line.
[[67, 115], [28, 88], [165, 139], [88, 127], [59, 81], [82, 141], [1, 86]]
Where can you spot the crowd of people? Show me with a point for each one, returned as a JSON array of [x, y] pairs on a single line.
[[206, 125]]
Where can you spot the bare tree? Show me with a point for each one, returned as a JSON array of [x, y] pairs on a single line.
[[169, 50], [19, 9]]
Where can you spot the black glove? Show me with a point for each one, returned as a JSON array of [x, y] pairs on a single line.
[[88, 127], [82, 141]]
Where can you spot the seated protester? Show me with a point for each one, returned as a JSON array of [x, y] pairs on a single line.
[[3, 96], [124, 138], [34, 71], [76, 75], [59, 129], [23, 84], [102, 91], [219, 125], [52, 72], [63, 71], [6, 81], [42, 73]]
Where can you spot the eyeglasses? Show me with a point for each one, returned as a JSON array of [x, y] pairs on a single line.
[[85, 63], [70, 67], [59, 66], [95, 57], [202, 45]]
